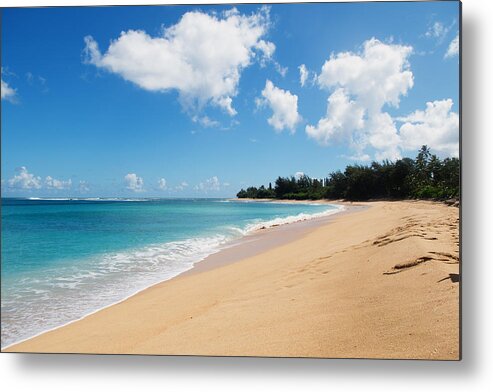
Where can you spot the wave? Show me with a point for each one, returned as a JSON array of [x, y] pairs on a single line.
[[260, 225]]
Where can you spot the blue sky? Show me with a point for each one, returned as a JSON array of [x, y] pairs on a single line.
[[205, 100]]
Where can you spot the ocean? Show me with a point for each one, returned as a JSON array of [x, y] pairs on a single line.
[[63, 259]]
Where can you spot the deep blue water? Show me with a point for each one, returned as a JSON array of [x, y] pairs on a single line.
[[62, 259]]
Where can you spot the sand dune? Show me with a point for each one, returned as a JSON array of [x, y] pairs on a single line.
[[377, 283]]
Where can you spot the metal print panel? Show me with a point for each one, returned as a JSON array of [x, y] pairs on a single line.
[[276, 180]]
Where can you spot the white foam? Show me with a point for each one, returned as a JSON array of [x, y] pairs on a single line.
[[292, 219]]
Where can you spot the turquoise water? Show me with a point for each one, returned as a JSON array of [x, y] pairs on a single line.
[[63, 259]]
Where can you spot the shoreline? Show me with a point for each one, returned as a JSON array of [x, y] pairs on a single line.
[[293, 201], [223, 255], [242, 297], [264, 239]]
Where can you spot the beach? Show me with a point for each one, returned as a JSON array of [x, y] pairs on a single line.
[[378, 281]]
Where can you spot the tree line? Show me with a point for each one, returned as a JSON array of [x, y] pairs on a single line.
[[425, 177]]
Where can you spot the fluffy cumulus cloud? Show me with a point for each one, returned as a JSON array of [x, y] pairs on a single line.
[[378, 75], [211, 184], [53, 183], [25, 180], [134, 183], [344, 116], [28, 181], [362, 84], [8, 93], [161, 184], [453, 48], [202, 56], [437, 126], [284, 107]]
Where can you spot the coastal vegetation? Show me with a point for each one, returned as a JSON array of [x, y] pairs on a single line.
[[425, 177]]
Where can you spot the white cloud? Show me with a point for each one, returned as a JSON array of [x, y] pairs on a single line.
[[437, 127], [24, 180], [284, 106], [37, 81], [161, 183], [383, 136], [134, 183], [181, 186], [83, 187], [438, 31], [299, 174], [362, 84], [453, 48], [205, 121], [358, 157], [280, 69], [202, 56], [378, 75], [344, 116], [53, 183], [8, 93], [211, 184], [304, 73]]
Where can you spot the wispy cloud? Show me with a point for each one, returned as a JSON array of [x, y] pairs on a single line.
[[437, 31], [453, 48], [211, 184], [37, 81], [53, 183], [306, 75], [83, 187], [181, 186], [205, 121]]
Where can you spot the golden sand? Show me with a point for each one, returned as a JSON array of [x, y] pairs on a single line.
[[377, 283]]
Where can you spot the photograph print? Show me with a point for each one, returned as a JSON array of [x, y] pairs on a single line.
[[266, 180]]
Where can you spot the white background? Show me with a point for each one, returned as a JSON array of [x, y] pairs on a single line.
[[473, 373]]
